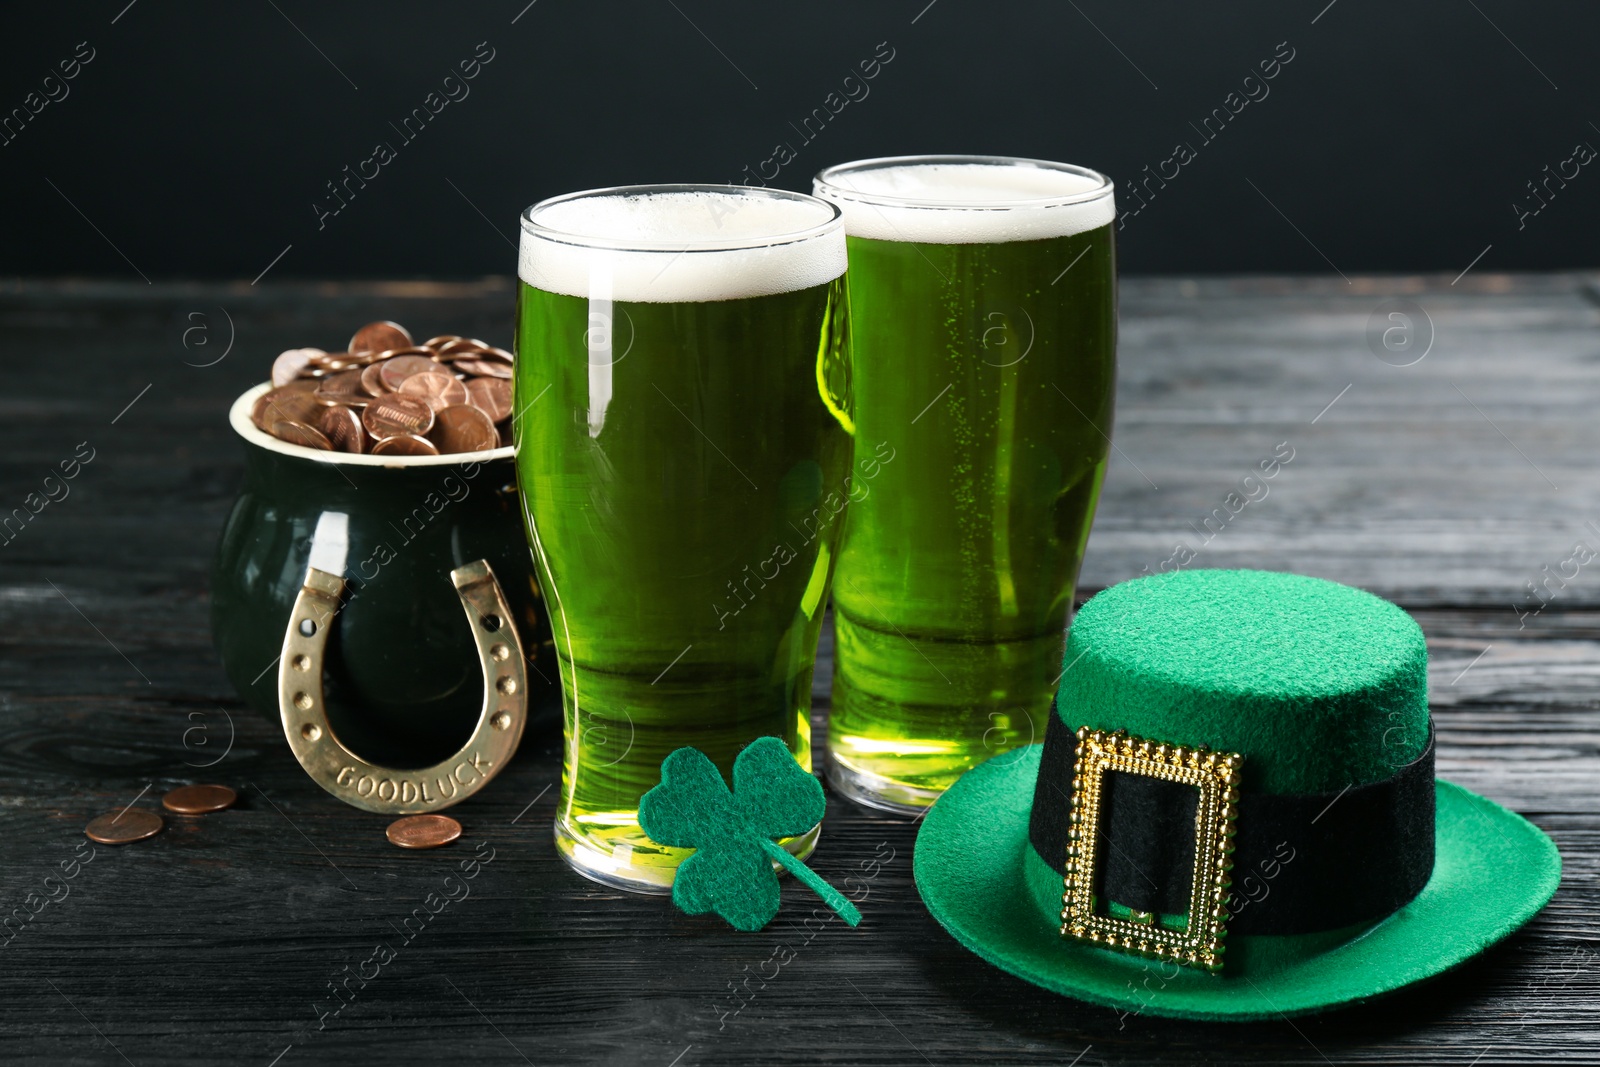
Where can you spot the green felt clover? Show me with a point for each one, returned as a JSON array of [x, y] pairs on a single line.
[[732, 833]]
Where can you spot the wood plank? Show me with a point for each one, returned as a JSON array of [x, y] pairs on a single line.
[[1425, 483], [244, 917], [214, 941]]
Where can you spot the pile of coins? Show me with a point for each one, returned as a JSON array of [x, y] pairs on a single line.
[[135, 824], [388, 396]]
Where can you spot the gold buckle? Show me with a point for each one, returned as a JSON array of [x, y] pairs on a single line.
[[1216, 775]]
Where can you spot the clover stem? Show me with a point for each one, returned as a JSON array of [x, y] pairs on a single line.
[[830, 896]]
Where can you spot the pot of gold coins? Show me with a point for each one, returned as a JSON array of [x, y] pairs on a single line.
[[372, 591]]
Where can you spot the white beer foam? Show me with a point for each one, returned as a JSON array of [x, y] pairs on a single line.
[[968, 203], [674, 246]]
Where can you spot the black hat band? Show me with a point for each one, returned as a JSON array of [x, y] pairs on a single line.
[[1302, 862]]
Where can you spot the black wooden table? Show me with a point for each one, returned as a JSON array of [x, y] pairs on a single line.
[[1447, 485]]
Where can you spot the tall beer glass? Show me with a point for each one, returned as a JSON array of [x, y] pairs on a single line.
[[983, 300], [681, 399]]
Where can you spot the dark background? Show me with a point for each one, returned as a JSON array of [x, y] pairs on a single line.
[[197, 140]]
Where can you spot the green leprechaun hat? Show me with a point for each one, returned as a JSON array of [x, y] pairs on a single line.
[[1233, 814]]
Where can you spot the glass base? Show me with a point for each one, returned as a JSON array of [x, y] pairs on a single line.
[[911, 713], [875, 791], [616, 869]]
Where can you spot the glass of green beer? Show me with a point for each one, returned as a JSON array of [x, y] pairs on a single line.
[[682, 447], [983, 303]]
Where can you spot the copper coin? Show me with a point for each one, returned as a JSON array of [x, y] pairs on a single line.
[[295, 402], [423, 831], [287, 367], [443, 339], [485, 367], [328, 360], [393, 414], [380, 337], [404, 444], [343, 429], [492, 396], [120, 828], [499, 354], [463, 428], [462, 346], [372, 380], [397, 370], [298, 433], [342, 388], [199, 799], [410, 350], [437, 389]]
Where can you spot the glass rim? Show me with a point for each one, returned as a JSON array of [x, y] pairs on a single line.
[[533, 228], [824, 179]]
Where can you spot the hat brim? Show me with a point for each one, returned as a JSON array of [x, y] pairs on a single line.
[[1492, 871]]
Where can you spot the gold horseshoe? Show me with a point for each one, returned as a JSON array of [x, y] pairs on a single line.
[[402, 792]]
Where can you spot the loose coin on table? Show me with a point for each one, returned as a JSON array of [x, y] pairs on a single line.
[[423, 831], [121, 828], [199, 799]]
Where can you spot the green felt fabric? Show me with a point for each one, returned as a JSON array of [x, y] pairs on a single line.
[[1318, 685], [731, 871], [981, 880]]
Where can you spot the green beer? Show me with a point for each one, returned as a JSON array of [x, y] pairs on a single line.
[[983, 299], [680, 425]]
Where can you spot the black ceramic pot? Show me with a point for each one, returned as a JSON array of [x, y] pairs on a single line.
[[403, 683]]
